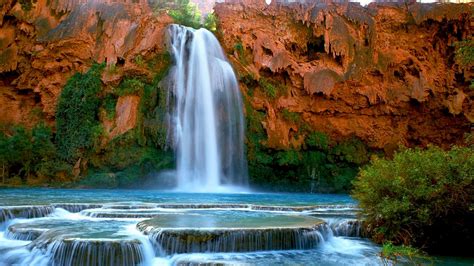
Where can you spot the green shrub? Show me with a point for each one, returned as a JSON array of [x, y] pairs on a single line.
[[77, 113], [52, 169], [186, 14], [130, 86], [139, 60], [291, 116], [26, 153], [160, 64], [315, 168], [100, 180], [421, 198], [109, 103], [400, 254], [465, 55], [268, 87], [240, 50], [21, 151], [288, 158], [210, 22], [352, 150], [465, 52], [317, 140], [4, 156]]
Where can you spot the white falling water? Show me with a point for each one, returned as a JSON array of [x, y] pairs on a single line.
[[205, 114]]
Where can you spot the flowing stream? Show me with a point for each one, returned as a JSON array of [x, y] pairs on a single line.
[[131, 227]]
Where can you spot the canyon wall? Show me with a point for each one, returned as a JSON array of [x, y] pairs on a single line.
[[383, 73], [43, 43]]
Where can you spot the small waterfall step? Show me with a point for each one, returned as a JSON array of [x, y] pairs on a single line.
[[91, 251], [232, 232]]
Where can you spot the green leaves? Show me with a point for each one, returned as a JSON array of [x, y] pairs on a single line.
[[465, 55], [211, 22], [465, 52], [130, 86], [317, 140], [417, 193], [24, 153], [186, 14], [77, 113]]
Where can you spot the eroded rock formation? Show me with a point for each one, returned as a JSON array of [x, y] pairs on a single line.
[[42, 43], [385, 74]]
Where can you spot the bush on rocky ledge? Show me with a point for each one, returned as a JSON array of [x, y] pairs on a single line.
[[422, 198]]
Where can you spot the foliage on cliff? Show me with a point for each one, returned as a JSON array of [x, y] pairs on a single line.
[[77, 121], [30, 156], [320, 166], [465, 55], [128, 158], [81, 145], [421, 198], [187, 14]]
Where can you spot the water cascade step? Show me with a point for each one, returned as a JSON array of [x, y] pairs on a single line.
[[234, 231], [174, 232], [92, 252]]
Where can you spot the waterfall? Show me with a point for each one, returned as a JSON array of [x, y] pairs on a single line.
[[205, 113]]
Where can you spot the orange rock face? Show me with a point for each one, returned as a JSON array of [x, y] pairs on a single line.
[[41, 47], [126, 115], [384, 73]]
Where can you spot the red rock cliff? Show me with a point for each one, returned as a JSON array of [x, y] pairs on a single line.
[[385, 74], [42, 43]]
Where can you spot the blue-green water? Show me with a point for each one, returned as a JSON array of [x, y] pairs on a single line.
[[102, 227], [48, 196]]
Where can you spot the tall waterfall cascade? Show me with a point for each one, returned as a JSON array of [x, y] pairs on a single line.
[[205, 114]]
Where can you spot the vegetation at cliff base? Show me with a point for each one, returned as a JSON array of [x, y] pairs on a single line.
[[80, 151], [30, 156], [320, 165], [77, 122], [421, 198]]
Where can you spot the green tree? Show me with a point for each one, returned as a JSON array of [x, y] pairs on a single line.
[[77, 121], [20, 149], [186, 14], [210, 22], [421, 198], [4, 155]]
